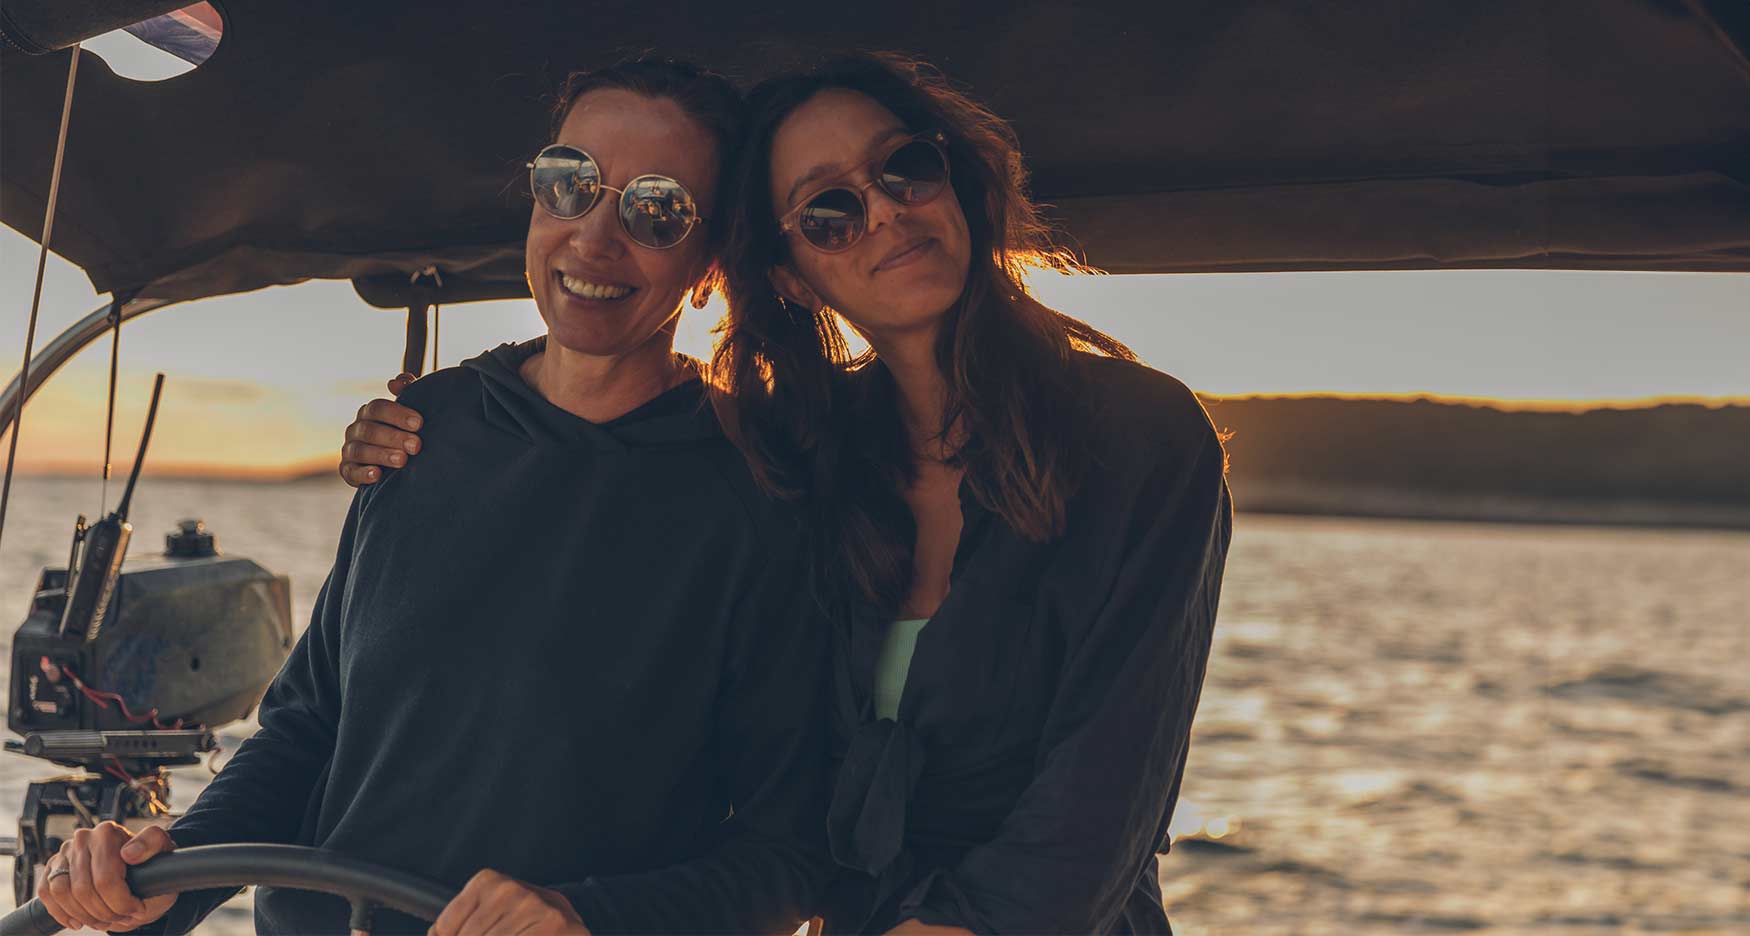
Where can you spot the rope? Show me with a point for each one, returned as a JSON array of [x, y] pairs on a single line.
[[36, 299]]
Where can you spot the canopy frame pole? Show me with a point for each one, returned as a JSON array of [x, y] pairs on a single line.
[[1728, 37], [413, 355], [64, 347], [42, 258]]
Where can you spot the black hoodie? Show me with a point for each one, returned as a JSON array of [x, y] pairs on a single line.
[[575, 653]]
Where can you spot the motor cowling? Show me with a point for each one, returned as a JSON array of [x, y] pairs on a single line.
[[194, 635]]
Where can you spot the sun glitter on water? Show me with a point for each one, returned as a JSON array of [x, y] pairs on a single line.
[[1191, 822]]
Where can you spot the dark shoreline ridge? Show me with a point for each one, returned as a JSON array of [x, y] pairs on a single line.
[[1675, 464], [1670, 465]]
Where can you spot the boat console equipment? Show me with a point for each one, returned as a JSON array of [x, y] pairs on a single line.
[[120, 675]]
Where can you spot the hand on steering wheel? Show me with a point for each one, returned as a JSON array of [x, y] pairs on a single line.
[[494, 903], [365, 885], [86, 886]]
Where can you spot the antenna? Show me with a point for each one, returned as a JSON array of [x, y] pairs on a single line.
[[121, 510], [106, 543]]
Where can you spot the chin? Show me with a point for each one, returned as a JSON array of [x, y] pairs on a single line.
[[936, 286], [590, 341], [598, 337], [930, 303]]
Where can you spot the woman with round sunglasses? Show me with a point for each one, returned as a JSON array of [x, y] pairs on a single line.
[[1018, 532], [560, 662]]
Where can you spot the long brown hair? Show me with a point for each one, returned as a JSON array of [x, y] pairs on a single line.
[[818, 422]]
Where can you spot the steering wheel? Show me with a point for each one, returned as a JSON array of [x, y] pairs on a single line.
[[366, 886]]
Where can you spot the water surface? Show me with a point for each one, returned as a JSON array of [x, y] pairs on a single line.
[[1407, 727]]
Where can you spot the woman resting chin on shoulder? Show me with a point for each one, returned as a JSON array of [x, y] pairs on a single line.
[[1019, 531]]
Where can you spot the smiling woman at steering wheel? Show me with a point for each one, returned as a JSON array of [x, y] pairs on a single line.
[[559, 659]]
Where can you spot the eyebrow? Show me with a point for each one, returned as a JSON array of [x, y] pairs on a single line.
[[820, 172]]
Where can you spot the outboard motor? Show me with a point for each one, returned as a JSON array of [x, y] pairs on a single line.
[[121, 675]]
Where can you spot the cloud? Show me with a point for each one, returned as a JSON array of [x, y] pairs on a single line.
[[363, 389], [215, 391]]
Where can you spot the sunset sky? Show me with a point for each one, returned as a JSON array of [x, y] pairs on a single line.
[[267, 381]]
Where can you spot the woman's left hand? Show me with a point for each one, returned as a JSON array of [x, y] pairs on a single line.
[[493, 903]]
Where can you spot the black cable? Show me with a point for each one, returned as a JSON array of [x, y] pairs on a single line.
[[115, 344]]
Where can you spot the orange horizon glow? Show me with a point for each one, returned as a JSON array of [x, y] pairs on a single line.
[[262, 384], [276, 471], [1504, 404]]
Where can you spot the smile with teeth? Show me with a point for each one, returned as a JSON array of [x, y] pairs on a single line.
[[583, 289]]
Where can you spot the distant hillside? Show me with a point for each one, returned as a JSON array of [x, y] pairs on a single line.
[[1668, 465], [1677, 464]]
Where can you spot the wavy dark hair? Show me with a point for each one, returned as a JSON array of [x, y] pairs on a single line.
[[704, 95], [822, 424]]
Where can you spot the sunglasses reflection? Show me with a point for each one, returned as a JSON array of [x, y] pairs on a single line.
[[913, 174], [655, 211]]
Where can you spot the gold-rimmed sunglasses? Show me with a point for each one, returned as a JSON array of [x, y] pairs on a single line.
[[656, 211], [913, 173]]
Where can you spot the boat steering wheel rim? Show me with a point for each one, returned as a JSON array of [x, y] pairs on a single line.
[[368, 887]]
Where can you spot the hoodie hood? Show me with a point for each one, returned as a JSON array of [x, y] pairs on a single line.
[[678, 417]]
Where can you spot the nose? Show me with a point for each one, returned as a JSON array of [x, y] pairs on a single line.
[[598, 233], [882, 207]]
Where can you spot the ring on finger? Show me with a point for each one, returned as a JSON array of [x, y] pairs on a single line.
[[57, 872]]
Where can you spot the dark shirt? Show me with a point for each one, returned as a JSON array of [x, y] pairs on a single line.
[[1027, 783], [566, 651]]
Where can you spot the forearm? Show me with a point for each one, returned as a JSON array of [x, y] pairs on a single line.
[[263, 791], [259, 797]]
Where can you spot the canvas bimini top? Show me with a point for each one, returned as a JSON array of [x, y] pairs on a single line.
[[337, 139]]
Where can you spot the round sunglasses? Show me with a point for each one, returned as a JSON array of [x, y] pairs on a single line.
[[656, 211], [913, 173]]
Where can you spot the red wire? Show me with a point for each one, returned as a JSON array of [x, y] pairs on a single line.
[[115, 769], [98, 696]]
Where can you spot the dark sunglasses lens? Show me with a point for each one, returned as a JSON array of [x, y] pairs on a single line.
[[658, 212], [565, 181], [915, 173], [832, 220]]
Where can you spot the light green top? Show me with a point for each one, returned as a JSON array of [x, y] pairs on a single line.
[[893, 663]]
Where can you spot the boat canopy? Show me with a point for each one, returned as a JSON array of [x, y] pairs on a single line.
[[372, 141]]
